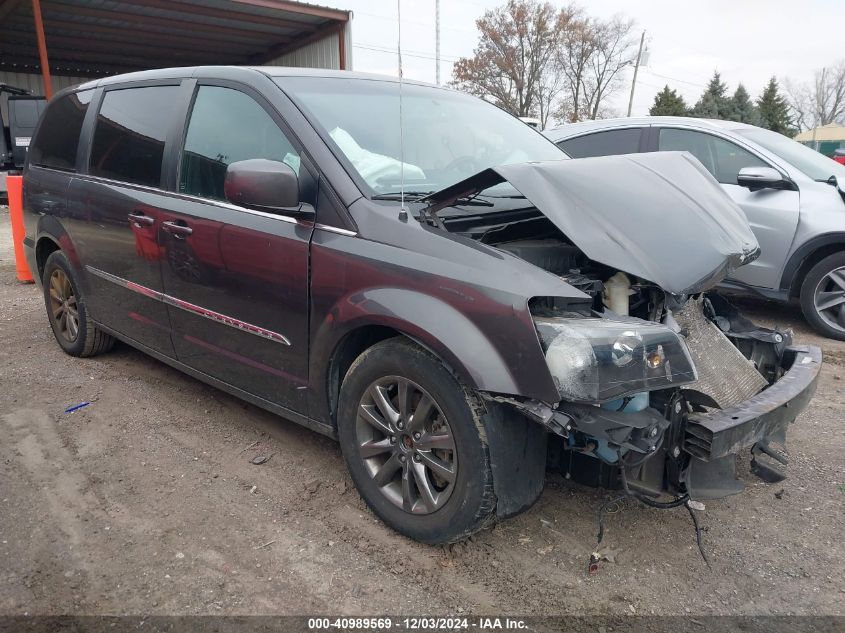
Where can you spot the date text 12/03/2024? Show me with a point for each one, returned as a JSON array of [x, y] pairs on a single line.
[[487, 623]]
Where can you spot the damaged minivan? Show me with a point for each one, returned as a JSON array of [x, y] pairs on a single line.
[[452, 298]]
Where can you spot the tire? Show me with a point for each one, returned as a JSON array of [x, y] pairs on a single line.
[[825, 285], [67, 311], [438, 510]]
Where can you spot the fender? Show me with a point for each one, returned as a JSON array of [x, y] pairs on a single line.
[[49, 228], [803, 252], [441, 328]]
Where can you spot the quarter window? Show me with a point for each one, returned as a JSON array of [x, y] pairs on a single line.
[[721, 158], [607, 143], [227, 126], [131, 130], [58, 137]]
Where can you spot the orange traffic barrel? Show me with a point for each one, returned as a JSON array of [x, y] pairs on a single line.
[[15, 187]]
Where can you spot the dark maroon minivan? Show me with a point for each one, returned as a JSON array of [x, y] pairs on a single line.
[[452, 298]]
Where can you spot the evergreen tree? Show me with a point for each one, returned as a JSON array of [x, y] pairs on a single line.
[[774, 110], [742, 108], [713, 104], [667, 102]]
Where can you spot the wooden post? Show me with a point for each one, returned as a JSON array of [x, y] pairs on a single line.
[[42, 49]]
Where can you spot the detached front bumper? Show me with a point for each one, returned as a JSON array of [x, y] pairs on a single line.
[[714, 439]]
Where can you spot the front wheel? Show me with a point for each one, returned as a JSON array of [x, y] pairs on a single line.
[[823, 297], [413, 438]]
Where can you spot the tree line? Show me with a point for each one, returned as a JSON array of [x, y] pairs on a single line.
[[770, 110]]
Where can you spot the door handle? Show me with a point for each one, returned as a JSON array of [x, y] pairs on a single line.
[[177, 230], [141, 220]]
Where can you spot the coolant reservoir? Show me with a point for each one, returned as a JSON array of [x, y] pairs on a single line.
[[617, 289]]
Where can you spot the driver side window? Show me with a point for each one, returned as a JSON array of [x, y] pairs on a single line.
[[227, 126], [720, 157]]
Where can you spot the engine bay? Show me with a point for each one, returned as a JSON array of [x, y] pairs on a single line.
[[532, 237]]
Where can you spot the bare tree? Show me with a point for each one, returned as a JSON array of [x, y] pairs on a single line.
[[512, 60], [577, 47], [820, 101], [614, 51], [552, 86], [592, 56]]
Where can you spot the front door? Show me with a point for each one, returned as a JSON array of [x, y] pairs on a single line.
[[121, 199], [772, 214], [235, 279]]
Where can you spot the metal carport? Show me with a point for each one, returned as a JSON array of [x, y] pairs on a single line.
[[83, 39]]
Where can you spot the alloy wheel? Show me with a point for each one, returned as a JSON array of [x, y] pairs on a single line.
[[407, 445], [829, 298], [63, 305]]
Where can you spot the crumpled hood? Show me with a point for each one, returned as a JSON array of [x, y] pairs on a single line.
[[659, 216]]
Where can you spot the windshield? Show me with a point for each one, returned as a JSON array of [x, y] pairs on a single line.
[[448, 135], [816, 166]]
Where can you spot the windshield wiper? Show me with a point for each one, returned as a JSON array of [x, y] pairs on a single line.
[[472, 201], [830, 181], [397, 195]]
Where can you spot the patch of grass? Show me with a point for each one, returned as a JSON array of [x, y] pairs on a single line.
[[842, 488]]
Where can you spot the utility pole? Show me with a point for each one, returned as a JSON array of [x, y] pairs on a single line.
[[636, 68], [437, 41]]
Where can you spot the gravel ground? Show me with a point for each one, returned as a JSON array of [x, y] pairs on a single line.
[[146, 502]]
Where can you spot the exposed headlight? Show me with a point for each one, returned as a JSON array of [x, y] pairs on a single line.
[[596, 360]]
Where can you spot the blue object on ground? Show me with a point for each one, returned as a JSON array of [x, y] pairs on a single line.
[[77, 407]]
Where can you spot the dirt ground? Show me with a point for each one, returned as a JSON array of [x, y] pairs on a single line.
[[146, 502]]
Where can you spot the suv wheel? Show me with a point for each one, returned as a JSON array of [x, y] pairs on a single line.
[[413, 438], [823, 296], [66, 309]]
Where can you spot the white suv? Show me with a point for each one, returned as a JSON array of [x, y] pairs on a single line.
[[792, 196]]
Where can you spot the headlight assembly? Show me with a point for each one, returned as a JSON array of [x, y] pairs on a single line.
[[596, 360]]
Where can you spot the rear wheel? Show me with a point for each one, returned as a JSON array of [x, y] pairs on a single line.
[[66, 309], [413, 439], [823, 296]]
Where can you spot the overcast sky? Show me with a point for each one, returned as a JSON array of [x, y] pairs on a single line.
[[746, 40]]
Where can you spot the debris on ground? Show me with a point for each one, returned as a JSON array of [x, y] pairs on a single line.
[[261, 459], [77, 407]]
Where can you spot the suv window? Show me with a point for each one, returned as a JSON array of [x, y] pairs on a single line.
[[722, 158], [227, 126], [606, 143], [131, 130], [58, 137]]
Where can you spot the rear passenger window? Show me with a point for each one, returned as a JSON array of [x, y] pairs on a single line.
[[607, 143], [58, 137], [130, 133], [227, 126]]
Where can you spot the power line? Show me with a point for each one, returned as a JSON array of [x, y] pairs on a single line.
[[420, 54], [683, 81]]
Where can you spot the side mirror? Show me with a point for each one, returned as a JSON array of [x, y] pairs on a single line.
[[265, 185], [762, 178]]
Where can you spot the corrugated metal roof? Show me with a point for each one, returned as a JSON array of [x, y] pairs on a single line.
[[104, 37]]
